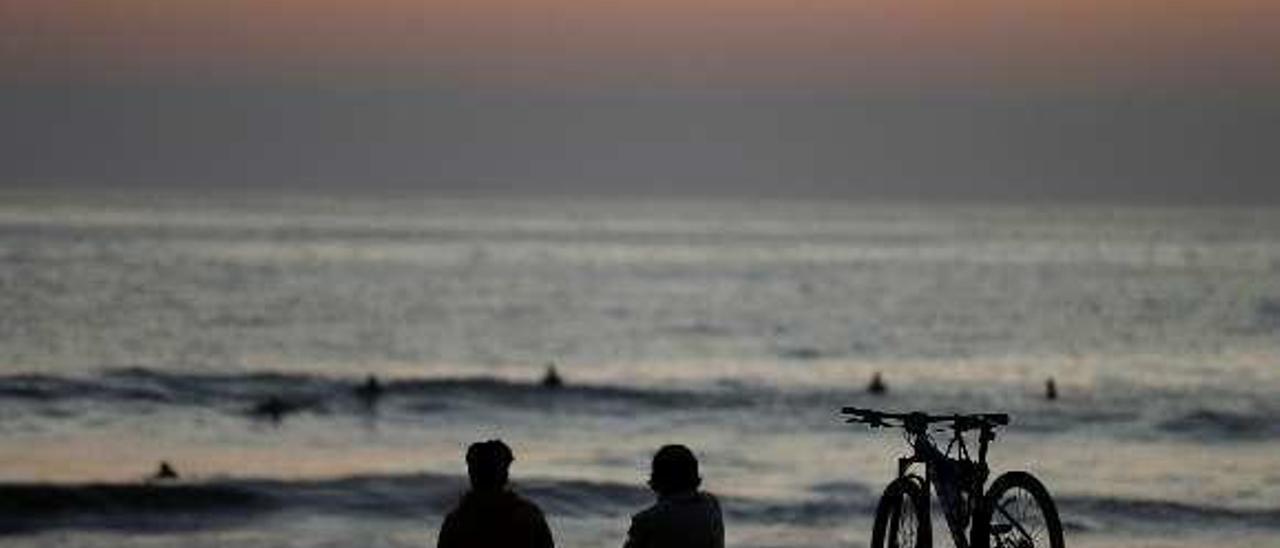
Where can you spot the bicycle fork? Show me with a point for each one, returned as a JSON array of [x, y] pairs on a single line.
[[956, 512]]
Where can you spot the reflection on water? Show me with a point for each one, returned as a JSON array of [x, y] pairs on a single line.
[[141, 331]]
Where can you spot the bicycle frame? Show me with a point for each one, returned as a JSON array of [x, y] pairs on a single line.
[[958, 480]]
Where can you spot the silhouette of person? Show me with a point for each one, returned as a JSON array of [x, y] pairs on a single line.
[[490, 515], [683, 516], [370, 391], [274, 408], [551, 379], [877, 385], [165, 472], [1050, 389]]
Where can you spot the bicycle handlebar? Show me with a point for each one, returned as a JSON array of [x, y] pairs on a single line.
[[917, 420]]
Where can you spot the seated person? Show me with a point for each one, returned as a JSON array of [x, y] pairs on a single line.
[[683, 516], [490, 515]]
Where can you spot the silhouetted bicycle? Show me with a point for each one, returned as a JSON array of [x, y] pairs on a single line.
[[1016, 511]]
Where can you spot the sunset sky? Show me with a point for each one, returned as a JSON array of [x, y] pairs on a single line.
[[800, 90]]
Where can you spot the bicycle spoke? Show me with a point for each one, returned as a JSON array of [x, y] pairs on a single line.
[[894, 517], [907, 528], [1021, 512], [1016, 511]]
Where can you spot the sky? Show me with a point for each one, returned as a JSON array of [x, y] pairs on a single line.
[[1156, 100]]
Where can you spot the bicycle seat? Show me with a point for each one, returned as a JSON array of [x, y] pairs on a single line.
[[980, 420]]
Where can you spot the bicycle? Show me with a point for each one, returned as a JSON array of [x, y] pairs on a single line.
[[1015, 512]]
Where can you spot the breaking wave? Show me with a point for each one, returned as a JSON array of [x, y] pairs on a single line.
[[227, 503]]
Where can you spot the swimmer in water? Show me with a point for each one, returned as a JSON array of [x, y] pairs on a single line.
[[165, 472], [551, 379], [370, 391], [877, 385]]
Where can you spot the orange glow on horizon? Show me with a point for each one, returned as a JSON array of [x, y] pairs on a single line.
[[804, 40]]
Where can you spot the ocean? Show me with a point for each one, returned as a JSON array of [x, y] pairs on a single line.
[[139, 328]]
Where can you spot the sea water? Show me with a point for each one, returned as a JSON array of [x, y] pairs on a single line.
[[139, 328]]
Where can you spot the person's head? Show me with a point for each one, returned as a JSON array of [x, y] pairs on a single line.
[[487, 464], [675, 470]]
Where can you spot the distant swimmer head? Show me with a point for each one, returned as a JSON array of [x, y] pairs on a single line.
[[370, 390], [272, 407], [877, 385], [551, 379], [487, 464], [165, 472], [675, 470]]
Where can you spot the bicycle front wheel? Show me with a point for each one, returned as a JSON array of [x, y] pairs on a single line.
[[1017, 512], [902, 517]]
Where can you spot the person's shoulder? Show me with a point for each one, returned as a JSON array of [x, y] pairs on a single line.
[[456, 513], [712, 503], [525, 506], [648, 514], [660, 511]]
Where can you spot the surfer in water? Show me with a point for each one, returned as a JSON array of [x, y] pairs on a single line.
[[551, 379], [370, 391], [165, 472], [877, 385]]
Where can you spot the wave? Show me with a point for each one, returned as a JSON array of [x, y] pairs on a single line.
[[228, 502], [1209, 424], [273, 396], [1125, 513], [279, 393], [36, 507], [220, 503]]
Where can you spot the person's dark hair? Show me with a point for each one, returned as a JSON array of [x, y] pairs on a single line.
[[487, 464], [675, 470]]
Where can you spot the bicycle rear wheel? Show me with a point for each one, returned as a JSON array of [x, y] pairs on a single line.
[[1017, 512], [902, 516]]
